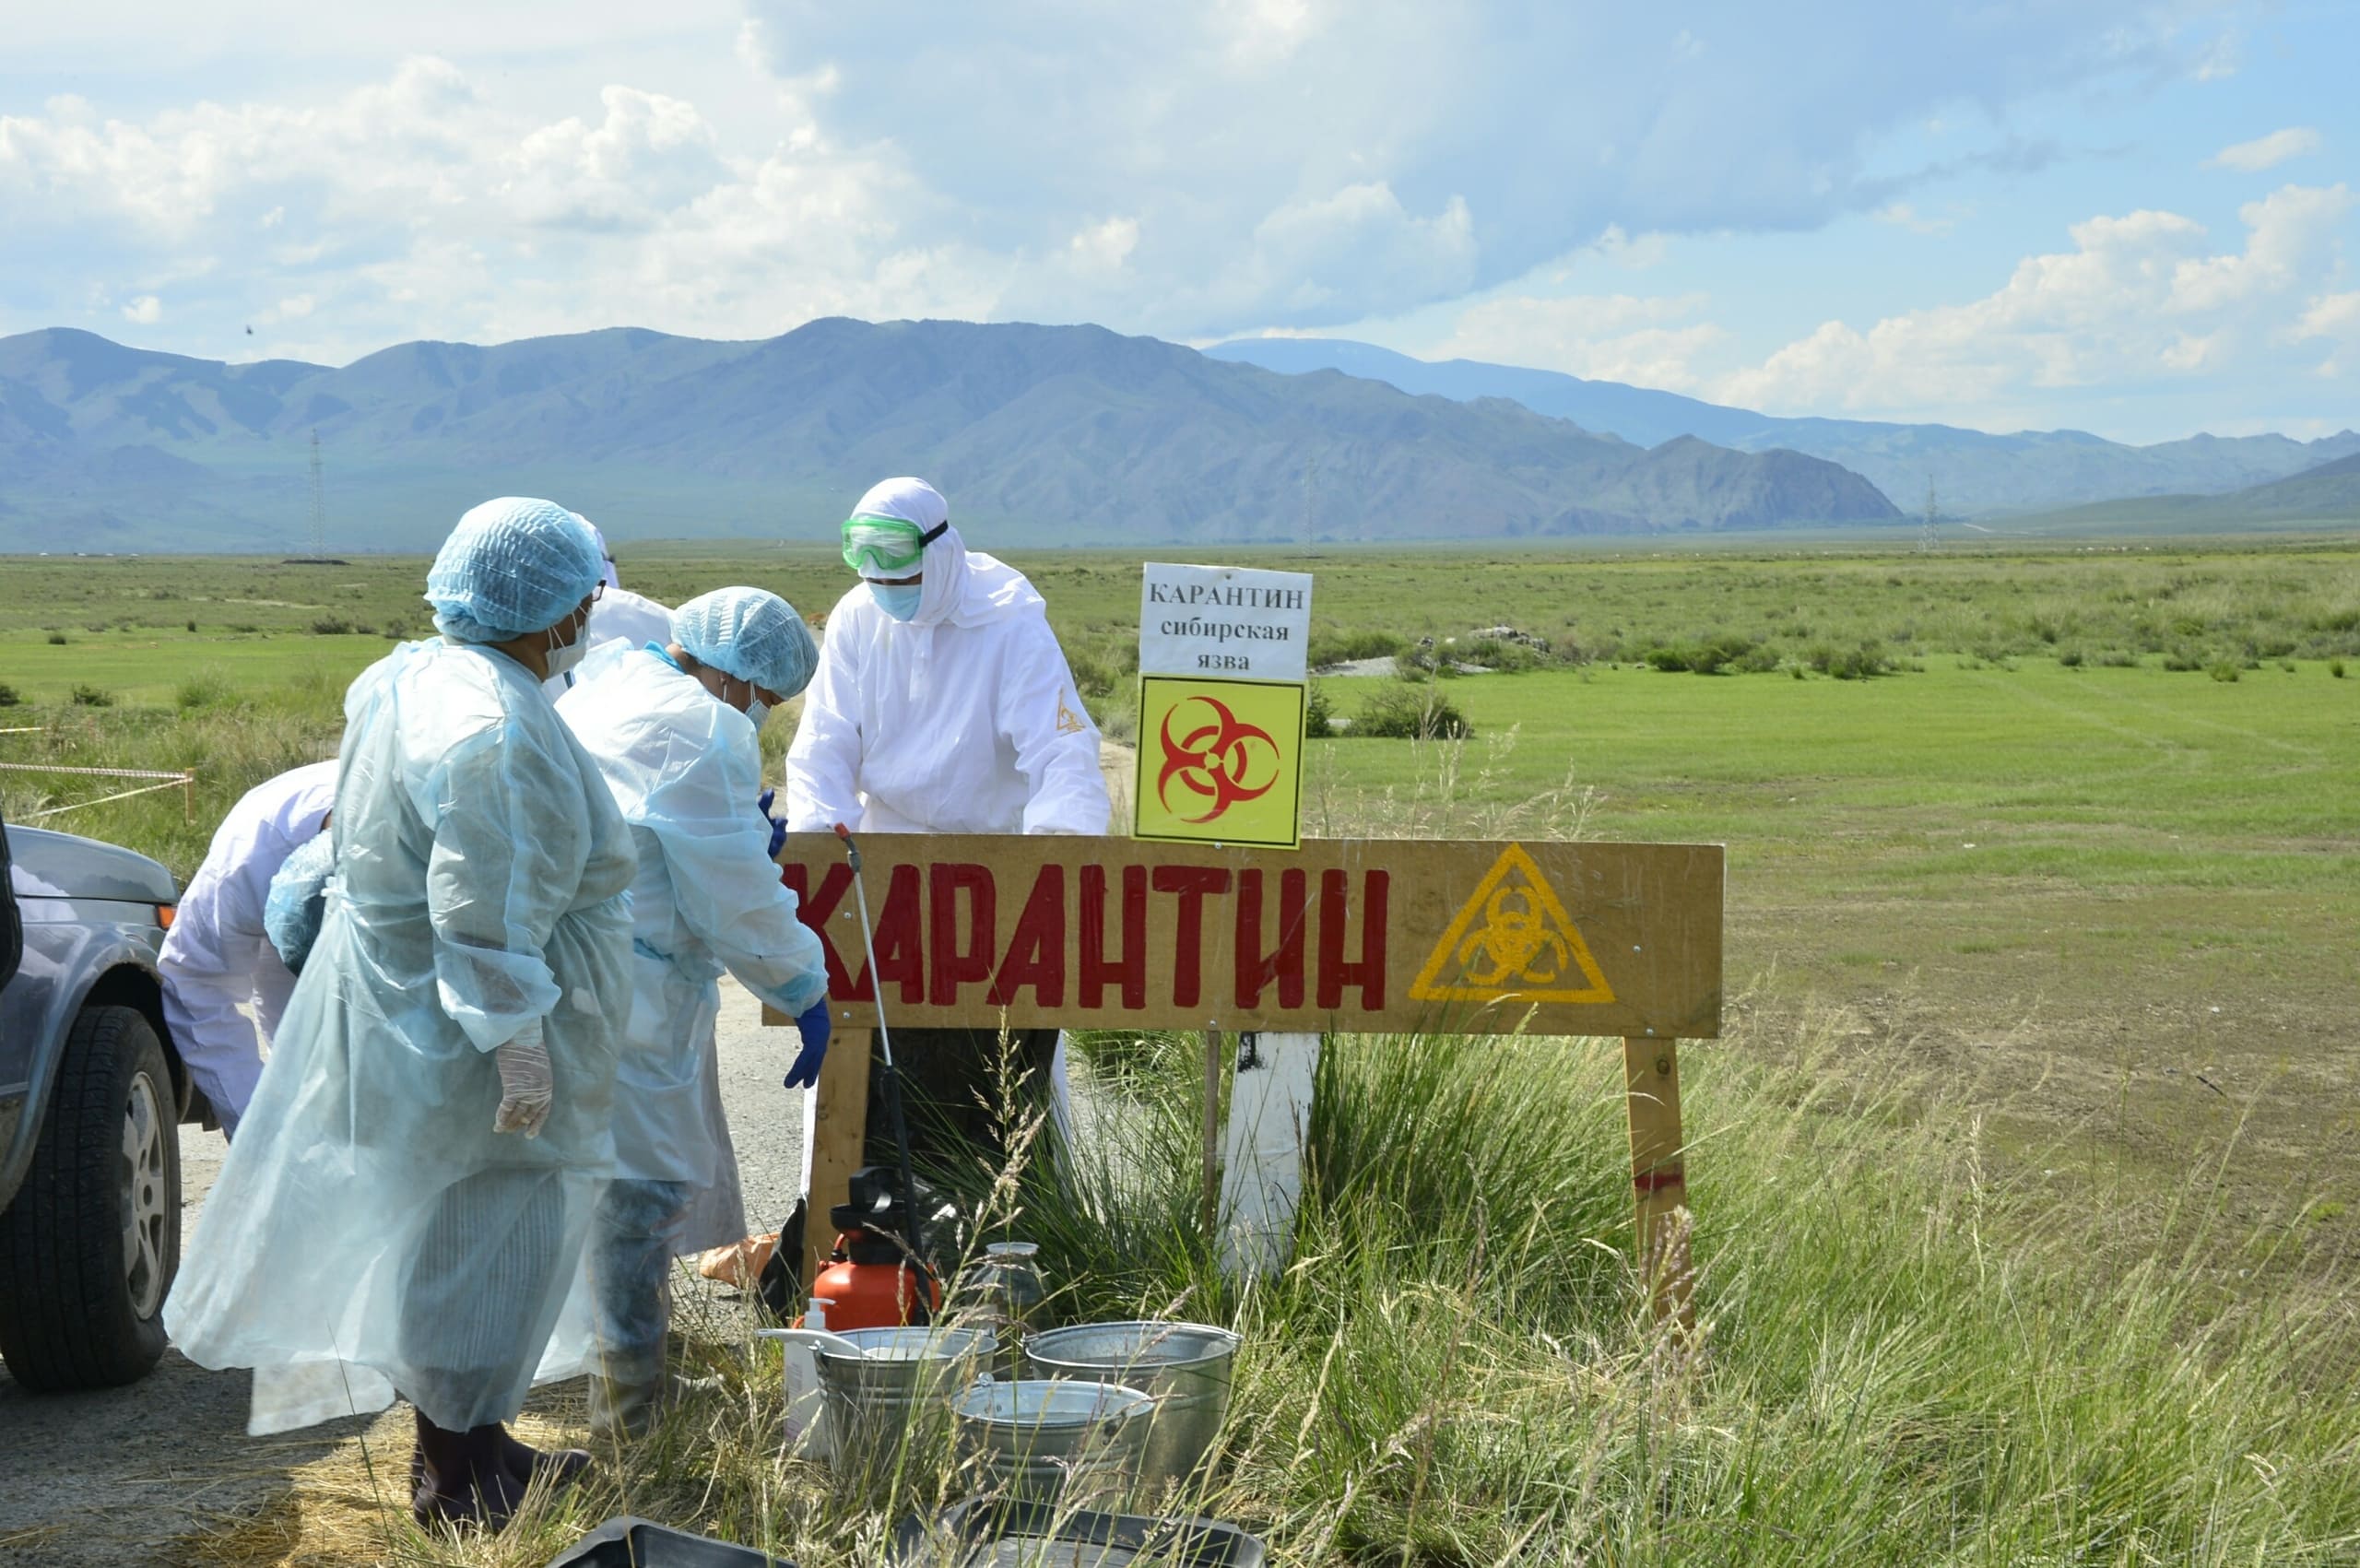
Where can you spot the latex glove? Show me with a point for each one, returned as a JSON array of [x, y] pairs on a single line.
[[778, 825], [813, 1025], [526, 1091]]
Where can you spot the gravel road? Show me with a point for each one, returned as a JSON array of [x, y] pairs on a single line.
[[109, 1480]]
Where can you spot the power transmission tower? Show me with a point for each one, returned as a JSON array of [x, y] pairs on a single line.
[[1926, 541], [319, 502]]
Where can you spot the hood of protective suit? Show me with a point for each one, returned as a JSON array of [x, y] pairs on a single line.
[[962, 587], [966, 587]]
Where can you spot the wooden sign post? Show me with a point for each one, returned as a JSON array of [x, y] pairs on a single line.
[[1341, 936]]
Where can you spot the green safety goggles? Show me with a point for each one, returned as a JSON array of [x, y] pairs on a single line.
[[886, 545]]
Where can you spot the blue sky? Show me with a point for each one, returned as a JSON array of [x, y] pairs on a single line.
[[2137, 219]]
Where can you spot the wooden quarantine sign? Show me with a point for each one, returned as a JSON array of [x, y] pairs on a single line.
[[1341, 935], [1220, 761]]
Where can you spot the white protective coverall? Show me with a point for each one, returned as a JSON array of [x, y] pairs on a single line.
[[217, 958], [963, 719], [369, 1231], [684, 767]]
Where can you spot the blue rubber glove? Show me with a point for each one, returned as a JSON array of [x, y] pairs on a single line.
[[813, 1025], [778, 827]]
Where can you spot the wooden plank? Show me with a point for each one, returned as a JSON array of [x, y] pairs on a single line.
[[974, 931], [1270, 1113], [837, 1138], [1658, 1176]]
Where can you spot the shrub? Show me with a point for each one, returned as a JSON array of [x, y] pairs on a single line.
[[1319, 712], [2119, 658], [2182, 661], [57, 639], [330, 626], [1707, 656], [1341, 647], [203, 689], [1400, 711], [8, 697], [2070, 658], [192, 625], [2223, 670], [1857, 663], [92, 697], [1091, 677], [2335, 668]]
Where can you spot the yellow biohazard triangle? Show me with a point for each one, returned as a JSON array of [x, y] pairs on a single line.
[[1069, 722], [1512, 940]]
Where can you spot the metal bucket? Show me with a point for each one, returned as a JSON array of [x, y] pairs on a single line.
[[1185, 1365], [1077, 1444], [895, 1396]]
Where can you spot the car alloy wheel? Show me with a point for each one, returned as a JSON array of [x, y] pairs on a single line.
[[145, 1186]]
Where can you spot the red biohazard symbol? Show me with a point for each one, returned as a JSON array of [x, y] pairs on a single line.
[[1221, 760]]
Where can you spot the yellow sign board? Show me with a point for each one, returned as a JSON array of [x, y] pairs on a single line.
[[1220, 761], [1512, 940]]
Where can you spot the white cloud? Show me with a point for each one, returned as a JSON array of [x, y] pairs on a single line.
[[1101, 248], [2335, 317], [2266, 152], [1647, 340], [147, 310], [1222, 128], [1901, 215], [2139, 297]]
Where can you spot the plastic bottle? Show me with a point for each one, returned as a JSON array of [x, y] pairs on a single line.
[[806, 1410]]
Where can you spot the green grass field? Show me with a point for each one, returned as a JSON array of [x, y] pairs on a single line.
[[2025, 1176]]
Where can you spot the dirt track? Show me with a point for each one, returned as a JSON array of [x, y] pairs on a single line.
[[113, 1479]]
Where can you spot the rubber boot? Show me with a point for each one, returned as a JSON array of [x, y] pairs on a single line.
[[622, 1405], [564, 1467], [462, 1479]]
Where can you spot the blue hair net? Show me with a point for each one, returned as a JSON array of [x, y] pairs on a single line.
[[512, 566], [751, 633]]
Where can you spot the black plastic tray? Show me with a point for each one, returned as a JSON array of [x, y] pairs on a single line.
[[993, 1533], [626, 1542]]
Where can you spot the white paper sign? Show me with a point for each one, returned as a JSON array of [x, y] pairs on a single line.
[[1224, 620]]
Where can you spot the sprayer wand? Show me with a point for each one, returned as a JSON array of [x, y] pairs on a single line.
[[892, 1074]]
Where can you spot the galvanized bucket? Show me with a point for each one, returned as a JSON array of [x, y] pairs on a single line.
[[1076, 1445], [895, 1396], [1185, 1365]]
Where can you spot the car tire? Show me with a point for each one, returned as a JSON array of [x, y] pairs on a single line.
[[90, 1246]]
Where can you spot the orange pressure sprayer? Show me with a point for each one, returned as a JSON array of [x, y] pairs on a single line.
[[871, 1281]]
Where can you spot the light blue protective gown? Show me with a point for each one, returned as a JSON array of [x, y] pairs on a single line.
[[369, 1231], [685, 770]]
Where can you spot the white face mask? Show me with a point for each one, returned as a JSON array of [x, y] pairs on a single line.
[[756, 711], [561, 659]]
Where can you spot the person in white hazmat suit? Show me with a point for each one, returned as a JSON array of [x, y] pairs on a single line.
[[403, 1206], [943, 704], [620, 616], [218, 957], [673, 728]]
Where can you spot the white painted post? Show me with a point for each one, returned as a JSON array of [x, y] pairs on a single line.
[[1270, 1113]]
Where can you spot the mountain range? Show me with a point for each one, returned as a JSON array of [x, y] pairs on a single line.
[[1063, 434], [1973, 473]]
